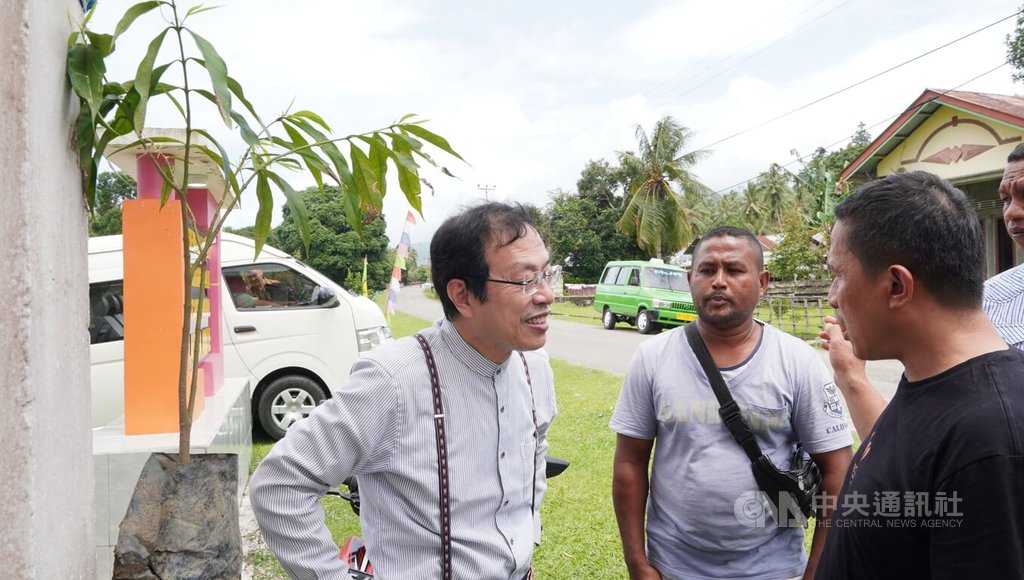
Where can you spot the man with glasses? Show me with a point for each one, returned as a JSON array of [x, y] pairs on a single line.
[[447, 432]]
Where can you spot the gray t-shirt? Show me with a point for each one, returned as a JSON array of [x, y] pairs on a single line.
[[700, 521]]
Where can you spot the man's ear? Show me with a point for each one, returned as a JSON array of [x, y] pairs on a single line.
[[899, 286], [460, 296], [762, 280]]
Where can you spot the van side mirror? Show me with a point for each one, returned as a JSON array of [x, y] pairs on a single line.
[[326, 297]]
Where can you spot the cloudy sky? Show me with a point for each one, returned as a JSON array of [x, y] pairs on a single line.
[[529, 91]]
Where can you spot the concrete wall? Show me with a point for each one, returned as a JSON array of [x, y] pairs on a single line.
[[46, 495]]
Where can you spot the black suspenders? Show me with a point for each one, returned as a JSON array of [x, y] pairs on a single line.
[[442, 456]]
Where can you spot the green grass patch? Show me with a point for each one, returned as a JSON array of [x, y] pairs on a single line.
[[576, 313]]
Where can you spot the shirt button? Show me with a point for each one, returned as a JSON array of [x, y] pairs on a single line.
[[506, 502], [503, 455], [503, 408], [499, 372], [512, 541]]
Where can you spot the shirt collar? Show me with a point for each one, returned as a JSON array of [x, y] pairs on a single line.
[[465, 353]]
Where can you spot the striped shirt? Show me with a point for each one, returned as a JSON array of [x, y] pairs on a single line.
[[1004, 304], [379, 426]]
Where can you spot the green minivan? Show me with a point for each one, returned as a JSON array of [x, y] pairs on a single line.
[[649, 295]]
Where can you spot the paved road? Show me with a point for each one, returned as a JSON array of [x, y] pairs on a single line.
[[594, 347]]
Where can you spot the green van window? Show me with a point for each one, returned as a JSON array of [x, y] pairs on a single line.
[[666, 279]]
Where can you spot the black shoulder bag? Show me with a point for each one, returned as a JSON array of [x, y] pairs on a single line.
[[795, 487]]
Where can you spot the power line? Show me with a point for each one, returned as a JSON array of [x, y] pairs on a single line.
[[757, 52], [856, 84], [654, 92], [883, 121]]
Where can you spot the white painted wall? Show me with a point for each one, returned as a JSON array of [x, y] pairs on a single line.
[[46, 471]]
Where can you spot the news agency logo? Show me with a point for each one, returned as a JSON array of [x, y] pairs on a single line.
[[753, 510], [881, 509]]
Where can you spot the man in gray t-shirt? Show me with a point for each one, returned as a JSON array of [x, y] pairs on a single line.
[[704, 518]]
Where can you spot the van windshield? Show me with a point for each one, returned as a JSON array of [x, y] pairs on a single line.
[[665, 279]]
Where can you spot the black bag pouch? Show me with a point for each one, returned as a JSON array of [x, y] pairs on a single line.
[[790, 491]]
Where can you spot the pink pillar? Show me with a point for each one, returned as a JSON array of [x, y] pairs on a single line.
[[204, 208], [149, 179]]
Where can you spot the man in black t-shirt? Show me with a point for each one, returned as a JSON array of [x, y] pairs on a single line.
[[935, 490]]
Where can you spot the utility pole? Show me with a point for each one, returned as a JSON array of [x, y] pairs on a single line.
[[486, 189]]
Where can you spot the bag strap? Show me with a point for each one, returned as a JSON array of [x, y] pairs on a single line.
[[728, 410], [442, 454], [442, 462]]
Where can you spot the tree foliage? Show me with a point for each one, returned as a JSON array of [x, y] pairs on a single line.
[[112, 188], [335, 248], [582, 236], [798, 255], [1015, 47]]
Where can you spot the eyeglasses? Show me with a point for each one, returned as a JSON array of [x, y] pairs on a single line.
[[532, 284]]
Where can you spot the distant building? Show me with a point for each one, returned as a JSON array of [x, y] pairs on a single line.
[[961, 136]]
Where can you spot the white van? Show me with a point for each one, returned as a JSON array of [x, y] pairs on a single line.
[[295, 346]]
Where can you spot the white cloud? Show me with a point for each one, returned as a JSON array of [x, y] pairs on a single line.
[[529, 92]]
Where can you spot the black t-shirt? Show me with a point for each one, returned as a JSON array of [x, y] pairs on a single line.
[[937, 488]]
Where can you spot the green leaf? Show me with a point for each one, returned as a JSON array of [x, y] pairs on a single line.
[[112, 89], [218, 72], [343, 175], [364, 175], [296, 206], [412, 143], [236, 89], [199, 9], [408, 178], [85, 131], [165, 192], [143, 79], [379, 161], [406, 117], [432, 138], [313, 162], [289, 163], [312, 117], [103, 42], [85, 72], [266, 210], [131, 14], [248, 135]]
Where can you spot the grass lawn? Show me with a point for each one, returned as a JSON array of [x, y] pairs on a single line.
[[580, 534]]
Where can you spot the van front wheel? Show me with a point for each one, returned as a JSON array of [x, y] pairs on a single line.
[[644, 323], [608, 318], [287, 400]]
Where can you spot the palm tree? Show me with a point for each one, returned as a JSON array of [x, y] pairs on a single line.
[[776, 190], [754, 209], [661, 219]]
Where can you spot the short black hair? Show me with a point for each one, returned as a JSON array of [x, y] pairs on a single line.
[[458, 248], [920, 221], [1017, 154], [733, 232]]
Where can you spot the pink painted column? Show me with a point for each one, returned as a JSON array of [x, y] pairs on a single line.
[[204, 208], [149, 179]]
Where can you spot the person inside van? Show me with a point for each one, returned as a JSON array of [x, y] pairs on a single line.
[[446, 431], [260, 291]]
